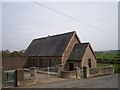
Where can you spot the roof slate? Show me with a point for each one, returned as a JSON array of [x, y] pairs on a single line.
[[78, 51], [49, 46]]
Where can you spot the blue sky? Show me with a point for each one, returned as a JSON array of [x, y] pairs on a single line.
[[24, 21]]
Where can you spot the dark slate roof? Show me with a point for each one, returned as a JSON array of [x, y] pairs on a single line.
[[49, 46], [78, 51]]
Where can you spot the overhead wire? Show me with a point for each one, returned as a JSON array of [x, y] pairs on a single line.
[[75, 19]]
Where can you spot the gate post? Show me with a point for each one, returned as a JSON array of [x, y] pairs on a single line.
[[60, 69], [77, 72], [20, 77], [3, 77], [33, 72], [86, 71]]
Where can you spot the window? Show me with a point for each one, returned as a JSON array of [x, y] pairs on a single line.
[[89, 63], [71, 66], [41, 63], [50, 62], [33, 63]]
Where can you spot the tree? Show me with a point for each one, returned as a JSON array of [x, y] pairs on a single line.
[[21, 52], [6, 53], [14, 54]]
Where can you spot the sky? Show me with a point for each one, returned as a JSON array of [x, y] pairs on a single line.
[[94, 22]]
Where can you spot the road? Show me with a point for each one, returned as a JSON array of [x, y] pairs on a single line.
[[108, 81]]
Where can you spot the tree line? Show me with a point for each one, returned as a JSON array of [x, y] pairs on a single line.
[[8, 53]]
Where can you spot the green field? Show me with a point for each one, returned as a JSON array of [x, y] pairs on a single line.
[[108, 55]]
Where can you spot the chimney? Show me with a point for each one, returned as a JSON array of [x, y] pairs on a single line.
[[48, 37]]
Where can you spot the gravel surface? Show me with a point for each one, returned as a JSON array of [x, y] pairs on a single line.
[[108, 81]]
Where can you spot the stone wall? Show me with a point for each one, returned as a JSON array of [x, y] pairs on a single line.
[[22, 80], [90, 72], [101, 71], [75, 74], [68, 74]]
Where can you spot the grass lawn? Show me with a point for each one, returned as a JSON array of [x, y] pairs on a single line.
[[116, 66]]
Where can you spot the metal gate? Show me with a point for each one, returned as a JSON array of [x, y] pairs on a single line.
[[9, 78], [81, 73]]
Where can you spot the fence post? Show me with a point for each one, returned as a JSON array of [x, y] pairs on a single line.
[[48, 71], [60, 69], [86, 71], [77, 72], [112, 72]]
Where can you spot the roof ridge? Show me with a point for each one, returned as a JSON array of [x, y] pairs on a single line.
[[85, 43], [55, 35]]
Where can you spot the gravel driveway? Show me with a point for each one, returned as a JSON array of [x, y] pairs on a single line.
[[108, 81]]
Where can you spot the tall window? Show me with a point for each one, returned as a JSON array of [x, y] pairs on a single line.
[[33, 62], [41, 63], [50, 63], [89, 63], [71, 66]]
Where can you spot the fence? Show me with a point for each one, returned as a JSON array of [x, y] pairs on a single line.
[[49, 70]]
